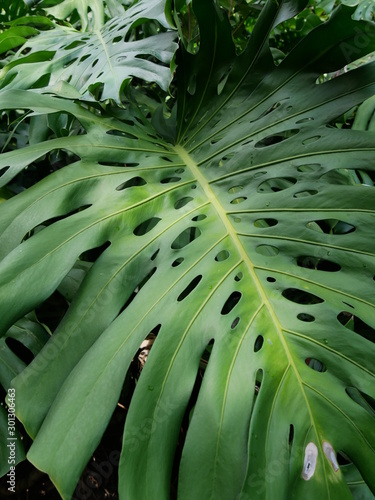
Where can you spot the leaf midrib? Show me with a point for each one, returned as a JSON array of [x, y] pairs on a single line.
[[190, 163]]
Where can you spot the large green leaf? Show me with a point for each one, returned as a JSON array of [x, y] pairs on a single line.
[[102, 58], [248, 238]]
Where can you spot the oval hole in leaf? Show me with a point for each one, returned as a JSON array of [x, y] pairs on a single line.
[[83, 58], [155, 254], [73, 45], [247, 142], [310, 167], [235, 189], [134, 181], [236, 201], [291, 434], [238, 276], [259, 174], [267, 250], [199, 217], [191, 286], [330, 226], [178, 261], [265, 222], [235, 323], [275, 185], [270, 140], [309, 262], [121, 133], [146, 226], [315, 364], [231, 302], [169, 180], [112, 163], [225, 158], [215, 141], [307, 318], [355, 324], [21, 351], [258, 344], [270, 279], [178, 170], [223, 255], [187, 236], [307, 192], [165, 158], [347, 304], [364, 400], [269, 110], [182, 202], [301, 296], [310, 140], [305, 120]]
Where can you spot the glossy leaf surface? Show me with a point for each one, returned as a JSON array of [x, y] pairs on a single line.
[[247, 241]]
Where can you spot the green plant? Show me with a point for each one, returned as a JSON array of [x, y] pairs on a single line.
[[232, 225]]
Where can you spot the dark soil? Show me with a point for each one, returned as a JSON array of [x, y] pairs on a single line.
[[98, 481]]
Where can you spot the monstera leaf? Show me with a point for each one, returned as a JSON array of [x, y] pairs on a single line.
[[245, 241], [86, 60]]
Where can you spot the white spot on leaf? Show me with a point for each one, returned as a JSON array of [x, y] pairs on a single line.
[[331, 455], [309, 463]]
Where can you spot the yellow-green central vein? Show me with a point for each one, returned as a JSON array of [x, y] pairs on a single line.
[[188, 160]]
